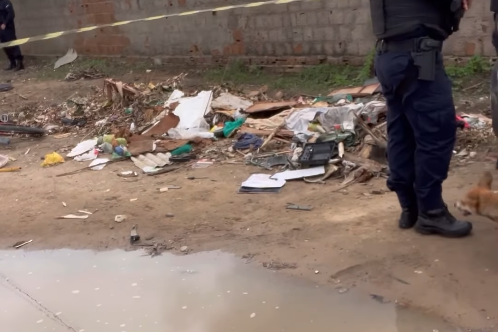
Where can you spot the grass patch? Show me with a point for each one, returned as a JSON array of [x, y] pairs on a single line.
[[476, 70], [475, 66], [315, 80]]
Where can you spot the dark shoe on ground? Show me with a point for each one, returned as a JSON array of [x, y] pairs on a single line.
[[408, 218], [442, 222], [11, 66], [20, 65]]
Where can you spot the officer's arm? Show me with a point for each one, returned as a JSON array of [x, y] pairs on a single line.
[[494, 6], [10, 12]]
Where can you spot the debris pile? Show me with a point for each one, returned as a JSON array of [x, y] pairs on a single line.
[[477, 129], [161, 128], [111, 108], [304, 137]]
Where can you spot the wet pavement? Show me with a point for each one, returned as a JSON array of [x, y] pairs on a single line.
[[85, 291]]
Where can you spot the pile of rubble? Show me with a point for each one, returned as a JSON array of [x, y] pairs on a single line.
[[161, 128], [340, 135], [106, 109]]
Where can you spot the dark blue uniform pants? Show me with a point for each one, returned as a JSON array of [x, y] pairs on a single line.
[[421, 127], [13, 53]]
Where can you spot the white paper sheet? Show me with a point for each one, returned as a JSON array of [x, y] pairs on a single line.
[[262, 181], [82, 147], [102, 161], [299, 174]]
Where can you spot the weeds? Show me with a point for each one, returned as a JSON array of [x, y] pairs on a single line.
[[475, 66], [367, 70], [314, 80], [467, 75]]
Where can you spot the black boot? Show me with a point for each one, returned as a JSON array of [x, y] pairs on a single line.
[[20, 65], [11, 66], [408, 218], [443, 223]]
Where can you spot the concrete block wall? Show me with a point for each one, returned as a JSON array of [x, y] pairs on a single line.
[[287, 34]]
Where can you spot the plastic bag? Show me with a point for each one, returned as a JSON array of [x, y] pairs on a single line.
[[181, 150], [52, 159], [231, 126]]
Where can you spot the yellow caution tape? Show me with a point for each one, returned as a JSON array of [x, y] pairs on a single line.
[[152, 18]]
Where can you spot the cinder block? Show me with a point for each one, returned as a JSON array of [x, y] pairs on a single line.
[[345, 33], [311, 19], [301, 19], [298, 35], [308, 33], [336, 17], [279, 49], [321, 33], [275, 21], [286, 20], [322, 18]]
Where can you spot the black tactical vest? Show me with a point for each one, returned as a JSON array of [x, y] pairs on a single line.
[[392, 18]]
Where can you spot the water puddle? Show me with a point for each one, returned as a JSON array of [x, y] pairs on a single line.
[[115, 291]]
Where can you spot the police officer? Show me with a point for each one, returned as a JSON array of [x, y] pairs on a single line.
[[421, 121], [8, 33]]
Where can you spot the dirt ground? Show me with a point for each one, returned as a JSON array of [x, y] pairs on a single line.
[[350, 237]]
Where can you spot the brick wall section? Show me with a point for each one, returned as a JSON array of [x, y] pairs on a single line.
[[289, 34]]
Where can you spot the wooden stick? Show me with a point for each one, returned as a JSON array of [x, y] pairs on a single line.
[[473, 86], [164, 170], [273, 133], [10, 169], [90, 167], [377, 140], [271, 154], [367, 163]]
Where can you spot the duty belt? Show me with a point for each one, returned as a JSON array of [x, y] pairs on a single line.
[[409, 45], [423, 50]]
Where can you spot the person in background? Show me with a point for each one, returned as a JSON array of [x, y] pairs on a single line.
[[494, 72], [8, 33], [421, 117]]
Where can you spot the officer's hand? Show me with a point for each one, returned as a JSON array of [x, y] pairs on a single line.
[[466, 4], [2, 27]]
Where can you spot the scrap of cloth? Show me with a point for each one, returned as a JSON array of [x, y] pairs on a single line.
[[247, 141]]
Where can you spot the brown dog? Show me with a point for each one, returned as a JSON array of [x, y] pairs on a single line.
[[481, 200]]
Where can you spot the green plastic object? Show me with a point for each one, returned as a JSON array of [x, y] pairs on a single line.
[[122, 141], [230, 126], [181, 150]]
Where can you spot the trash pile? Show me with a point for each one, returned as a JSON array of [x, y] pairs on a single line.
[[341, 135], [111, 108], [477, 129], [161, 128]]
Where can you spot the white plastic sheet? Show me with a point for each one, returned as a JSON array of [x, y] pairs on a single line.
[[99, 164], [191, 111]]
